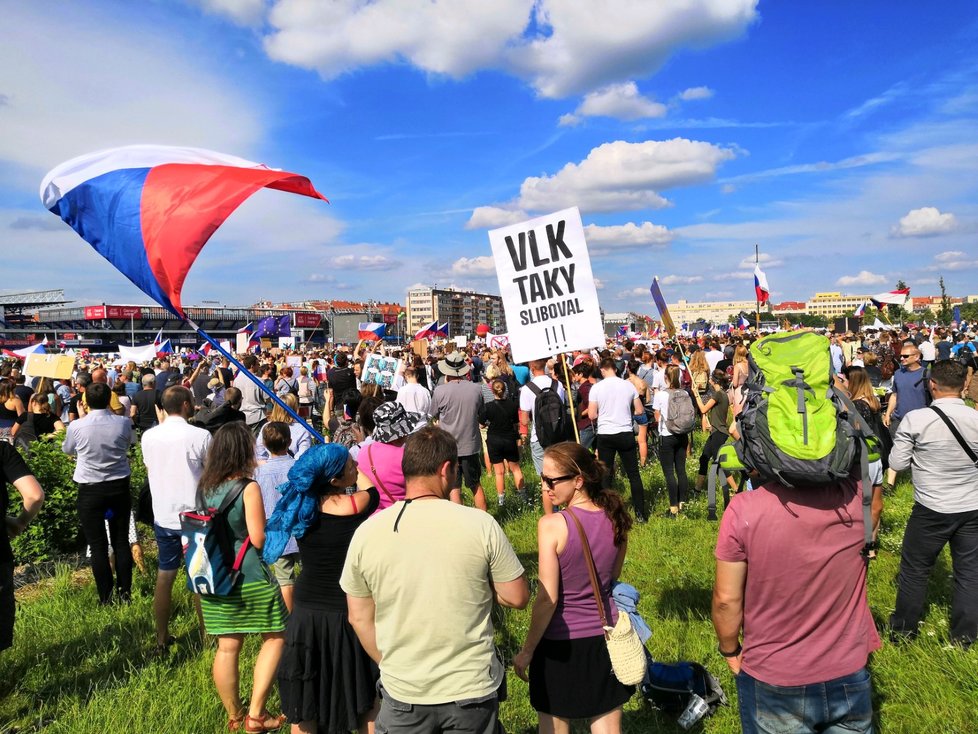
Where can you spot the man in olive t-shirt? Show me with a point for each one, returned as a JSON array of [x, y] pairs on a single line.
[[420, 579]]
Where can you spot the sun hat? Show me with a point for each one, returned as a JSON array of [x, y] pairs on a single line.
[[454, 365], [392, 421]]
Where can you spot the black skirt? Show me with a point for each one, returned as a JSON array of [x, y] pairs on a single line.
[[325, 675], [573, 679]]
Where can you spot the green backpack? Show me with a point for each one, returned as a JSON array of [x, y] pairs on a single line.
[[796, 428]]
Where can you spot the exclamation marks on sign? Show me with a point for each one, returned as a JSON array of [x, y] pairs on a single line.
[[555, 340]]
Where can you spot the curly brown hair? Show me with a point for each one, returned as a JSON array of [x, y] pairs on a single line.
[[230, 455]]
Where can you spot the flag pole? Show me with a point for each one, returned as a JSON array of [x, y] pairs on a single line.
[[570, 401], [255, 379], [757, 301]]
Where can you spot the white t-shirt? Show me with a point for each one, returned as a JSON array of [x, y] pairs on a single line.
[[174, 453], [713, 358], [615, 399], [528, 397], [661, 403], [414, 397], [928, 353]]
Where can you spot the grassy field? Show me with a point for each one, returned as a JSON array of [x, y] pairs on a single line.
[[79, 668]]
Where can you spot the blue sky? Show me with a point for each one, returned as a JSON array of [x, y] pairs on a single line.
[[840, 137]]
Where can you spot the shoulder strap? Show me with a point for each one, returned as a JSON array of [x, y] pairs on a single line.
[[231, 497], [534, 388], [373, 471], [591, 570], [957, 435]]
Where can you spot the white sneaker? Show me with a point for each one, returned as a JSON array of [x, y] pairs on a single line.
[[502, 499]]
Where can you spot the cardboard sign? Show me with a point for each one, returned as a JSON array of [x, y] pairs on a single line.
[[547, 286], [56, 366], [420, 347]]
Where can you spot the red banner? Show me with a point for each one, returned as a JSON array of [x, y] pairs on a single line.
[[307, 320], [113, 312]]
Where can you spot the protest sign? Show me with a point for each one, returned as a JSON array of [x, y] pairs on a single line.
[[546, 285], [460, 341], [420, 347], [294, 361], [56, 366], [241, 343]]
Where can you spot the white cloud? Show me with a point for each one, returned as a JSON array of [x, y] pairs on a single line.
[[477, 267], [621, 101], [952, 260], [569, 120], [598, 283], [681, 279], [694, 93], [149, 87], [622, 176], [242, 12], [627, 235], [928, 221], [765, 260], [580, 46], [365, 262], [451, 38], [560, 47], [634, 292], [863, 278], [488, 217]]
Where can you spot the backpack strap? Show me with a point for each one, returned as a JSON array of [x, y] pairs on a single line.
[[863, 432], [957, 435], [591, 570]]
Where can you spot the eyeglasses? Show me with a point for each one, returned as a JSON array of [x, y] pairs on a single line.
[[907, 356], [551, 481]]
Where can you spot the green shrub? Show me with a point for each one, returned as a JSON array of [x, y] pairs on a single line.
[[56, 530]]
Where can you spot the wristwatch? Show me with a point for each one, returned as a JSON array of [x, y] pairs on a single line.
[[732, 654]]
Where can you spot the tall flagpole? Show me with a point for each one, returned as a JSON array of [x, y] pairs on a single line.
[[757, 300], [255, 379]]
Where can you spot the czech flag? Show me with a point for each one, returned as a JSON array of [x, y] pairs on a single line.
[[427, 331], [371, 331], [743, 323], [760, 285], [150, 209], [442, 330], [246, 329], [891, 298], [861, 310]]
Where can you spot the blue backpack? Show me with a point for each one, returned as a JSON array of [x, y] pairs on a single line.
[[213, 568]]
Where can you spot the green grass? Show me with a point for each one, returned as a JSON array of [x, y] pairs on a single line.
[[79, 668]]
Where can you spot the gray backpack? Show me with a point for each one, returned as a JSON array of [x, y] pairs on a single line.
[[682, 416]]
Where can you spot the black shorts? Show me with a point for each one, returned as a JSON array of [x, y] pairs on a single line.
[[470, 470], [502, 449], [7, 605]]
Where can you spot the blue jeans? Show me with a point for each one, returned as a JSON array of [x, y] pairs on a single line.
[[840, 706], [587, 437]]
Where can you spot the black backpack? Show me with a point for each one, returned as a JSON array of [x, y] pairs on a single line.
[[966, 358], [550, 417]]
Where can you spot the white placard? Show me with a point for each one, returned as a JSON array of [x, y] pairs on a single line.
[[547, 286], [460, 341]]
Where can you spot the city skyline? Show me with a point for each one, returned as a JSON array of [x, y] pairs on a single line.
[[840, 139]]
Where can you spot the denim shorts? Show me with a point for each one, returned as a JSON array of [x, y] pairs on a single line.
[[170, 544]]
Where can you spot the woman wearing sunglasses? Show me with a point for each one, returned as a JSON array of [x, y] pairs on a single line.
[[570, 672]]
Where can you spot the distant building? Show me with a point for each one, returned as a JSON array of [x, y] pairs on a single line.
[[463, 310], [790, 307], [932, 303], [832, 303], [716, 311]]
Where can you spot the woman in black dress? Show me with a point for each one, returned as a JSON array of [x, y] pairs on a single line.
[[326, 680], [501, 417]]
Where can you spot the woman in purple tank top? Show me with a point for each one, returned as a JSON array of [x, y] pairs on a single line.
[[570, 672]]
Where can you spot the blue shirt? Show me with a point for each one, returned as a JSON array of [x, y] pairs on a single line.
[[911, 390], [269, 476], [100, 442]]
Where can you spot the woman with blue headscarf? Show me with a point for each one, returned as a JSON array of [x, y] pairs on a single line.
[[326, 680]]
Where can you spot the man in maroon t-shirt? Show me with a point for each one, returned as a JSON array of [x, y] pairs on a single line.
[[791, 576]]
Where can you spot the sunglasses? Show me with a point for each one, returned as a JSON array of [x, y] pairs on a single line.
[[551, 481], [907, 356]]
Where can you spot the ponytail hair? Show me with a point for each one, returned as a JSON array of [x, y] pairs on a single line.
[[573, 458]]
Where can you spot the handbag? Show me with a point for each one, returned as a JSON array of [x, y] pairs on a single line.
[[625, 649]]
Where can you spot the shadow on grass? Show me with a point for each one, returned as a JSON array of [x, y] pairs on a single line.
[[689, 602]]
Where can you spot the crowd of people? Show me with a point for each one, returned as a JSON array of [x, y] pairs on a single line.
[[374, 598]]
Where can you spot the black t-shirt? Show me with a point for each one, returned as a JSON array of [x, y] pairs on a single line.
[[41, 423], [145, 402], [501, 416], [323, 551], [23, 392], [73, 404], [13, 467], [340, 380]]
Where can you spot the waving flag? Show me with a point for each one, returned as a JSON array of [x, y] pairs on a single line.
[[891, 298], [158, 339], [742, 322], [164, 348], [150, 209], [442, 330], [427, 331], [622, 331], [273, 326], [22, 353], [861, 310], [246, 329], [761, 289], [371, 330]]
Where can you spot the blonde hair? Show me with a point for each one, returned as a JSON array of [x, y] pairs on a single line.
[[278, 412], [740, 354]]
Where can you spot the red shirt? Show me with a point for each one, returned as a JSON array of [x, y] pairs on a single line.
[[806, 618]]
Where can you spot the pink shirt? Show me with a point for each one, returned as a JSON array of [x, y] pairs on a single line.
[[806, 618], [386, 459]]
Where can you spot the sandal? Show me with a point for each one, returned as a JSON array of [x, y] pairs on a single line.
[[236, 722], [265, 722]]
